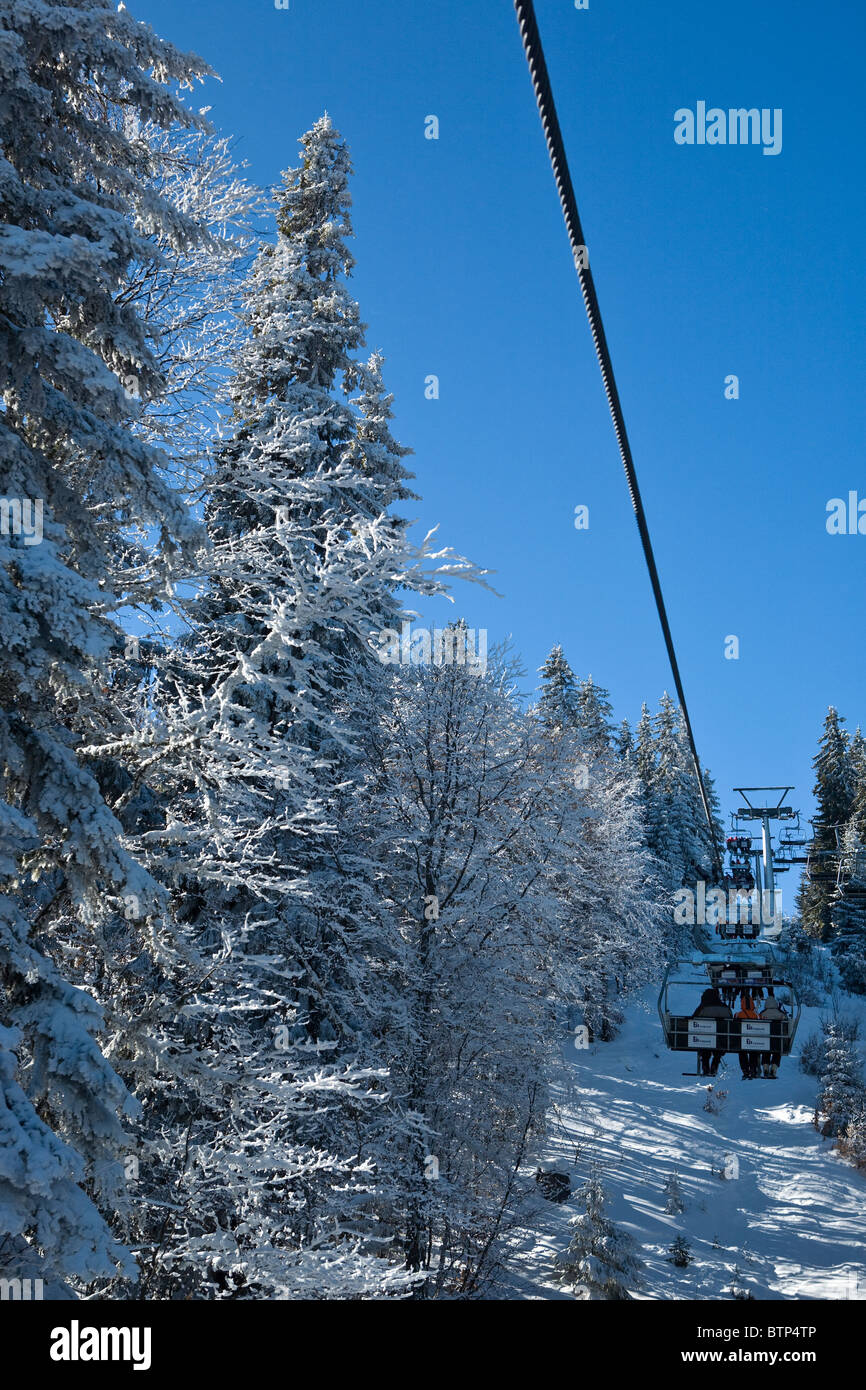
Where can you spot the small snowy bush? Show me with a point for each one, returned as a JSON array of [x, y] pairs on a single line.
[[680, 1253]]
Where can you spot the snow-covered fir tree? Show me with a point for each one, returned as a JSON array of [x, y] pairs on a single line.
[[624, 745], [645, 759], [674, 1200], [680, 1253], [848, 912], [834, 794], [78, 210], [594, 714], [602, 1261], [687, 839], [852, 1140], [607, 880], [677, 830], [842, 1094], [559, 701], [848, 900]]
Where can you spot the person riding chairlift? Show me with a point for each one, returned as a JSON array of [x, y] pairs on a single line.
[[711, 1006], [728, 988], [750, 1062], [772, 1012]]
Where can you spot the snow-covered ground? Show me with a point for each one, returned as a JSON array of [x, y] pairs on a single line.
[[791, 1217]]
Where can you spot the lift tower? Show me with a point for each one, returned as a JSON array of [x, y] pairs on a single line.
[[765, 812]]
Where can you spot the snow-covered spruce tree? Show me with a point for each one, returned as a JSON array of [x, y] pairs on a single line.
[[260, 771], [673, 812], [593, 714], [680, 1253], [856, 762], [852, 1141], [460, 807], [674, 1200], [848, 908], [676, 830], [624, 745], [601, 1259], [604, 877], [645, 762], [834, 794], [842, 1093], [558, 703], [848, 913], [76, 213], [679, 834]]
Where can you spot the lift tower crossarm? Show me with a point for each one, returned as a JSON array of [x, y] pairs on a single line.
[[751, 812], [770, 811]]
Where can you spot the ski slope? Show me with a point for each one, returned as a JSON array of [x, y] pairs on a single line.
[[791, 1218]]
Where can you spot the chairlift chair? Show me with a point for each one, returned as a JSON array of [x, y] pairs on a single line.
[[683, 1033]]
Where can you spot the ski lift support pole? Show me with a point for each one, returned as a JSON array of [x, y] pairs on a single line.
[[556, 149]]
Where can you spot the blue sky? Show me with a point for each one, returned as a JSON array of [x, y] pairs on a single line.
[[708, 260]]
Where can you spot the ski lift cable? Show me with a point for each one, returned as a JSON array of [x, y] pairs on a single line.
[[556, 149]]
